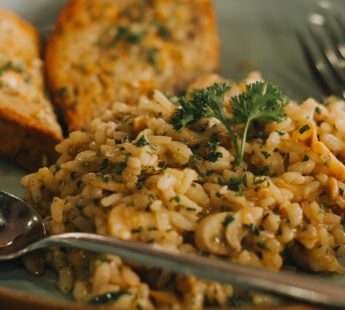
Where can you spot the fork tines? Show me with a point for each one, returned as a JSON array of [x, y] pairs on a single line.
[[324, 45]]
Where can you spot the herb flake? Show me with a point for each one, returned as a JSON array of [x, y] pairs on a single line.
[[107, 297], [304, 129], [141, 142], [227, 220], [118, 169]]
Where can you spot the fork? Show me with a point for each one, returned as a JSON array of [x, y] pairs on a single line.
[[323, 43]]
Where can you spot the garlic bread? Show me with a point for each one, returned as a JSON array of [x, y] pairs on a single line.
[[29, 130], [114, 50]]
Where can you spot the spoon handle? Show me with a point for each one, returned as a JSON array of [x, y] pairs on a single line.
[[285, 284]]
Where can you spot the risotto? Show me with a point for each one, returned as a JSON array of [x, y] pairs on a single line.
[[133, 176]]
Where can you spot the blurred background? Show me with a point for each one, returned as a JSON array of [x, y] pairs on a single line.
[[255, 35]]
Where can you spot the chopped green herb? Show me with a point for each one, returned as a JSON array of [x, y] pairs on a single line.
[[278, 232], [209, 172], [235, 184], [318, 110], [137, 230], [152, 228], [304, 129], [282, 154], [79, 206], [257, 181], [103, 178], [107, 297], [152, 197], [245, 181], [152, 57], [220, 181], [264, 170], [212, 145], [10, 66], [280, 133], [101, 258], [27, 80], [105, 164], [7, 66], [19, 67], [191, 209], [227, 220], [57, 167], [235, 302], [213, 156], [139, 185], [174, 99], [162, 164], [305, 158], [194, 159], [261, 244], [164, 32], [218, 195], [118, 169], [266, 154], [141, 142], [175, 198], [252, 229], [124, 34], [341, 191]]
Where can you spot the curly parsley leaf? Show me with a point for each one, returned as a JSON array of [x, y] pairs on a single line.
[[262, 102], [204, 103]]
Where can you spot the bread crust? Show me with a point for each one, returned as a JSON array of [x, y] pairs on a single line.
[[27, 139], [24, 25], [24, 143], [87, 100]]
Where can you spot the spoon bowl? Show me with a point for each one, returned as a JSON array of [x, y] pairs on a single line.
[[20, 225]]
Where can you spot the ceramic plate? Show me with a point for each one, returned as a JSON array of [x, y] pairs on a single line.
[[255, 35]]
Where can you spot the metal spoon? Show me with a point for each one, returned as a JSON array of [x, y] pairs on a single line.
[[22, 230]]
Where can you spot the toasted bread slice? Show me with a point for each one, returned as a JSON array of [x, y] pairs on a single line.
[[28, 126], [113, 50]]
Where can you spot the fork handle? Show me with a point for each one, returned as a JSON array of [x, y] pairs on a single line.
[[284, 284]]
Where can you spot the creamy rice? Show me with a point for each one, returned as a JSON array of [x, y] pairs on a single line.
[[134, 177]]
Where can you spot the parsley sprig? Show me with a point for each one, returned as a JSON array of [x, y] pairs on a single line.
[[261, 102], [207, 102]]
